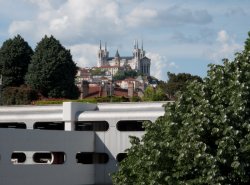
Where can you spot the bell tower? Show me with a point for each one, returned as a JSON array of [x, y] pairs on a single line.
[[117, 59], [102, 55], [138, 54]]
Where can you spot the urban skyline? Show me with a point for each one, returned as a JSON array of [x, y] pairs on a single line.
[[179, 36]]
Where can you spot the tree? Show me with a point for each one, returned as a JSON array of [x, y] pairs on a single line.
[[22, 95], [97, 71], [177, 82], [15, 56], [247, 42], [52, 70], [149, 94], [131, 73], [203, 138], [154, 94], [121, 75]]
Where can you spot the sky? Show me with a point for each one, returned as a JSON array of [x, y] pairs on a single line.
[[179, 36]]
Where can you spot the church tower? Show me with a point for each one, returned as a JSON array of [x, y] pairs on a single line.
[[142, 52], [117, 59], [102, 56], [138, 62], [138, 54]]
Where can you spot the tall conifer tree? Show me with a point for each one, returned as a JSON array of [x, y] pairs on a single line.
[[52, 70], [15, 56]]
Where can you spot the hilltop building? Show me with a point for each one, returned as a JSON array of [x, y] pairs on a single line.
[[138, 62]]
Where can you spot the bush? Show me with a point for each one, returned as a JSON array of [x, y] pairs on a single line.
[[86, 100], [135, 99], [18, 95]]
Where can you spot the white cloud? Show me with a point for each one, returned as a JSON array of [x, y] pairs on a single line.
[[176, 15], [173, 65], [18, 27], [85, 55], [59, 24], [140, 16], [170, 15], [222, 36], [72, 20], [224, 47], [160, 65]]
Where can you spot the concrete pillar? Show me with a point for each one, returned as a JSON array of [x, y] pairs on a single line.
[[71, 111], [84, 89], [130, 89]]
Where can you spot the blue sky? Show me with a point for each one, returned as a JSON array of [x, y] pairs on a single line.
[[178, 35]]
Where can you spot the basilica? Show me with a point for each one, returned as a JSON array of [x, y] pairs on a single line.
[[138, 62]]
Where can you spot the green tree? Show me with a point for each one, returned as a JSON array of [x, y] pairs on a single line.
[[131, 73], [149, 94], [52, 70], [177, 83], [121, 75], [154, 94], [22, 95], [15, 56], [247, 42], [203, 138], [97, 71]]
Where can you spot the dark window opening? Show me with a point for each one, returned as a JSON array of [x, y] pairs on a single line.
[[92, 158], [130, 126], [91, 126], [18, 157], [49, 157], [49, 125], [58, 157], [42, 158], [84, 158], [13, 125], [121, 156]]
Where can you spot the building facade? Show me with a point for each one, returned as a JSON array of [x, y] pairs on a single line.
[[69, 144], [138, 62]]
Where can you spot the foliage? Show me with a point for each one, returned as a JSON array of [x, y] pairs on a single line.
[[97, 72], [177, 82], [152, 80], [15, 56], [135, 99], [123, 75], [85, 100], [154, 94], [52, 101], [131, 73], [52, 70], [119, 76], [203, 138], [119, 99], [22, 95], [247, 42]]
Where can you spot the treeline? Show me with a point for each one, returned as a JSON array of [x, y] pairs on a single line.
[[49, 72], [170, 89], [46, 72]]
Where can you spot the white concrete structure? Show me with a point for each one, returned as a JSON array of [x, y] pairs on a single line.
[[68, 144]]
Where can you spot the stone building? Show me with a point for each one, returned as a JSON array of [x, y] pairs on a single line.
[[138, 62]]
